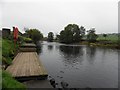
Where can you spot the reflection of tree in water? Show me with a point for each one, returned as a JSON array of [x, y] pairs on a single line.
[[91, 51], [70, 50], [71, 54], [50, 47], [39, 48]]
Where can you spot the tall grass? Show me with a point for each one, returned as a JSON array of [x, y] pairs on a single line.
[[8, 50]]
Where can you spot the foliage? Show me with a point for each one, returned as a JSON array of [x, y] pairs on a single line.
[[27, 40], [8, 50], [66, 36], [34, 34], [6, 60], [119, 39], [8, 82], [110, 37], [71, 33], [50, 36], [105, 35], [57, 37], [91, 36]]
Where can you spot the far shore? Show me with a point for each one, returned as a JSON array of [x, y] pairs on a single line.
[[105, 44]]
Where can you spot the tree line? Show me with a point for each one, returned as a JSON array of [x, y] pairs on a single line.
[[72, 33]]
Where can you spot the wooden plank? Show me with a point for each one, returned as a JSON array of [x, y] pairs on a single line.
[[12, 68], [44, 72], [26, 49], [26, 64]]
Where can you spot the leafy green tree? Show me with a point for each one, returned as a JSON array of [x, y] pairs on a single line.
[[66, 35], [50, 36], [105, 35], [82, 31], [91, 36], [57, 37], [35, 35], [71, 33]]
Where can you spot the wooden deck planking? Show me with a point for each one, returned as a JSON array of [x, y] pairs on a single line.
[[40, 64], [22, 49], [26, 64], [13, 67]]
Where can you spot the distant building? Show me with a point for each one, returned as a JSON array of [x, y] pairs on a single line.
[[5, 32]]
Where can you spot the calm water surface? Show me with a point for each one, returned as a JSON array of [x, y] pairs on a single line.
[[80, 66]]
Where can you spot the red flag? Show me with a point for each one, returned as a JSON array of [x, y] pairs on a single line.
[[15, 30]]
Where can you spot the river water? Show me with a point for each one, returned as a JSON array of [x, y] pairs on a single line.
[[80, 66]]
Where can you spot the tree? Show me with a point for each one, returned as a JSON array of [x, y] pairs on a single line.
[[57, 37], [35, 35], [82, 31], [91, 36], [71, 33], [50, 36], [105, 35]]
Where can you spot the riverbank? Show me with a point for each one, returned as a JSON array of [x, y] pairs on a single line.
[[101, 44], [8, 53]]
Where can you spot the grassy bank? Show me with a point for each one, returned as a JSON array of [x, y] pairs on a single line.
[[106, 44], [8, 82], [109, 37], [8, 53], [110, 41]]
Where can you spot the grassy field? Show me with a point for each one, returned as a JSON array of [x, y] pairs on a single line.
[[109, 37]]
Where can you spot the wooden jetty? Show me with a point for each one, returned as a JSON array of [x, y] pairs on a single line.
[[28, 47], [27, 65]]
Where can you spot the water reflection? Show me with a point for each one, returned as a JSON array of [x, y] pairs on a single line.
[[50, 47], [94, 67], [71, 50], [91, 51], [71, 54], [39, 47]]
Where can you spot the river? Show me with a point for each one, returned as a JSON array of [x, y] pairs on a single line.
[[80, 66]]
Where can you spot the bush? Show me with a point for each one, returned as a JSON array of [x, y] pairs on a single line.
[[35, 35], [27, 40]]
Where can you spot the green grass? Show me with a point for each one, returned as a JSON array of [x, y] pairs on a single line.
[[7, 47], [0, 50], [8, 50], [110, 37], [9, 82]]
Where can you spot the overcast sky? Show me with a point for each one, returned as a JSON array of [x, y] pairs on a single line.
[[54, 15]]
